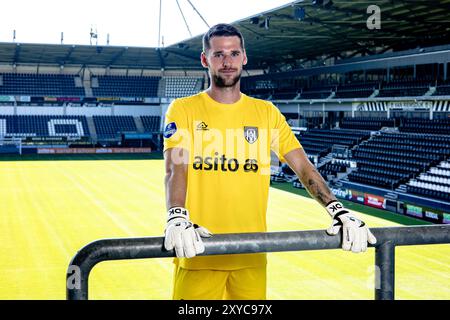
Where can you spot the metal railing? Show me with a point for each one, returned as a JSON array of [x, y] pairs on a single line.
[[152, 247]]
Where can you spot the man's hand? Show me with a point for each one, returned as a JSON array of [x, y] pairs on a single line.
[[183, 235], [355, 233]]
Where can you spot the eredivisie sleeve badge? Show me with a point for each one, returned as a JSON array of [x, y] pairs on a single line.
[[170, 130]]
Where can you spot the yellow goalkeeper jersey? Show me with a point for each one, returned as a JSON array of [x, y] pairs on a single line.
[[229, 166]]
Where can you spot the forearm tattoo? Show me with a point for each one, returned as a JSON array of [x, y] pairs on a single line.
[[318, 188]]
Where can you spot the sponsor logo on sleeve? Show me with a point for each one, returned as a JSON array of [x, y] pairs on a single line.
[[170, 130]]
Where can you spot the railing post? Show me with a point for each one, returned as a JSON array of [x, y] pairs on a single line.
[[77, 283], [385, 271]]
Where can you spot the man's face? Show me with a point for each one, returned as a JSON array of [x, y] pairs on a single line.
[[224, 59]]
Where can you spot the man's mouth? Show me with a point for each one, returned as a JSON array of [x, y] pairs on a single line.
[[227, 71]]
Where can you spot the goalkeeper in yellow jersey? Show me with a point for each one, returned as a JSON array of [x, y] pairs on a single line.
[[217, 147]]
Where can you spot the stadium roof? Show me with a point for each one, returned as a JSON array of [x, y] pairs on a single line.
[[291, 34], [97, 56], [338, 28]]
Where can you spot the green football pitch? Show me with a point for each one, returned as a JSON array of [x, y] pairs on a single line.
[[52, 206]]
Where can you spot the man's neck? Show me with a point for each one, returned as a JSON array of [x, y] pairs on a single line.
[[224, 95]]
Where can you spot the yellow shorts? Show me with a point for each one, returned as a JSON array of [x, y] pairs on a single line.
[[242, 284]]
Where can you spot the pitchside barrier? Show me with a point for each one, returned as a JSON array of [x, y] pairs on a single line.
[[152, 247]]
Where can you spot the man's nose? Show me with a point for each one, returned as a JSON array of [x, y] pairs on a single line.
[[226, 60]]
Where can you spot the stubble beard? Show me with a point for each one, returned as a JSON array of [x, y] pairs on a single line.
[[221, 82]]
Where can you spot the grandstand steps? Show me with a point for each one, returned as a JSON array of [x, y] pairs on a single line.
[[401, 188], [88, 86], [356, 146], [343, 175], [374, 94], [139, 125], [325, 160], [88, 92], [430, 92], [389, 130], [331, 96], [162, 87], [78, 82], [91, 126]]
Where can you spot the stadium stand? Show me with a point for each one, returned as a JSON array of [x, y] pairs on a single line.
[[411, 88], [285, 94], [176, 87], [125, 86], [151, 123], [331, 169], [366, 123], [321, 92], [436, 126], [314, 122], [44, 126], [260, 93], [39, 84], [356, 90], [110, 126], [319, 142], [442, 89], [389, 159], [434, 183]]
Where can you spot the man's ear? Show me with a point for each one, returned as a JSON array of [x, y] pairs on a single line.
[[245, 58], [204, 60]]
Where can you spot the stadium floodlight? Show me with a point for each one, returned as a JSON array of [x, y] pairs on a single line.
[[299, 13]]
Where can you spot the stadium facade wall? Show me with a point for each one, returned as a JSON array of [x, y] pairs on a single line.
[[128, 110]]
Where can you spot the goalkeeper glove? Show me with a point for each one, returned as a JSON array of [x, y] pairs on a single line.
[[355, 234], [183, 235]]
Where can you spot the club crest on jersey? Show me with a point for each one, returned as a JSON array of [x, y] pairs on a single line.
[[170, 130], [251, 134]]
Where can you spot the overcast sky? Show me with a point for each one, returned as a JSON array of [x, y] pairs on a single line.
[[128, 22]]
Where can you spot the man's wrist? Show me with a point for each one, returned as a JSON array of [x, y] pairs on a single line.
[[335, 208], [177, 212]]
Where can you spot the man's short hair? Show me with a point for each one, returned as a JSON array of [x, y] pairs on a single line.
[[221, 30]]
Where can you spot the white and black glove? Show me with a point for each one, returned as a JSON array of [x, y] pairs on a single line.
[[355, 234], [183, 235]]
